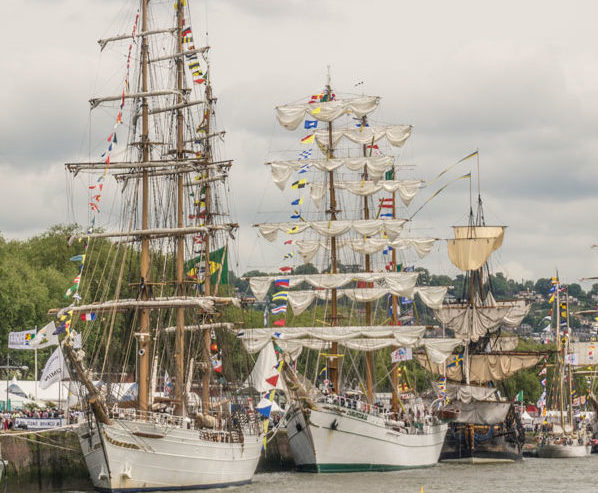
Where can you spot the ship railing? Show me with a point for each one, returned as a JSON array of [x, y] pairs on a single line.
[[351, 404], [163, 419]]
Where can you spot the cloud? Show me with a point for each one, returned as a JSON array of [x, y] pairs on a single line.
[[518, 81]]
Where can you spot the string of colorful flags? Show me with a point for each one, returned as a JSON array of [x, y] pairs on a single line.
[[96, 190], [267, 403]]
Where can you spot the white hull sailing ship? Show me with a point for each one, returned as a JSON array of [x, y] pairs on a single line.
[[152, 454], [333, 438], [166, 316], [328, 429], [561, 440]]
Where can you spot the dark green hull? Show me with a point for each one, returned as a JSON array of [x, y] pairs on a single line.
[[330, 468]]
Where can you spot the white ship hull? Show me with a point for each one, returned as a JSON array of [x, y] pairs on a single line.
[[132, 456], [557, 451], [340, 440]]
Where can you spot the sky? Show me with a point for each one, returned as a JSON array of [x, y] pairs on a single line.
[[516, 80]]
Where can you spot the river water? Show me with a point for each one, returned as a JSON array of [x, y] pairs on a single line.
[[526, 476]]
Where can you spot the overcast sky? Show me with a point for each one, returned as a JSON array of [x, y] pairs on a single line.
[[516, 80]]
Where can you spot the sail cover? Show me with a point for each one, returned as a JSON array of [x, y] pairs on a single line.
[[483, 413], [472, 245], [291, 115], [396, 135]]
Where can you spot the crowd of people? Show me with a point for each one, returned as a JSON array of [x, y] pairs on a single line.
[[10, 419]]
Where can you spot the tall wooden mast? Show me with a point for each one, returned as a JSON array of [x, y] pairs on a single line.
[[333, 363], [394, 372], [179, 348], [143, 376], [369, 371], [207, 363]]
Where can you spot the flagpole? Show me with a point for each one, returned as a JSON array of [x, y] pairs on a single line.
[[60, 378], [35, 350]]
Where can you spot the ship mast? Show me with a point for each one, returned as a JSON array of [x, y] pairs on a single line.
[[368, 268], [559, 355], [395, 317], [207, 364], [569, 373], [333, 260], [179, 348], [143, 378]]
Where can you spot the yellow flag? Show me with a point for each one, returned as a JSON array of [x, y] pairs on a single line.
[[316, 111]]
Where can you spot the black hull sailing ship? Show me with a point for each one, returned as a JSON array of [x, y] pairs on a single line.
[[152, 294], [487, 428]]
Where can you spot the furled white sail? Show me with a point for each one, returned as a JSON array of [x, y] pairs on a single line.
[[362, 338], [365, 227], [519, 310], [401, 280], [407, 188], [472, 322], [504, 343], [299, 301], [396, 135], [291, 115], [365, 246], [375, 166], [472, 245]]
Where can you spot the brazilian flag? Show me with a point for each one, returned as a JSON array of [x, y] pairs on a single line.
[[218, 262]]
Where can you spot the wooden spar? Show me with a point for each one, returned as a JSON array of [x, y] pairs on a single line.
[[143, 95], [207, 136], [124, 177], [178, 106], [197, 328], [369, 364], [142, 34], [333, 363], [207, 362], [179, 346], [204, 303], [194, 165], [143, 340], [147, 233], [203, 181], [180, 54]]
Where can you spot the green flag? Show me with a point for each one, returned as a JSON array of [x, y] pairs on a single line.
[[519, 397], [218, 262]]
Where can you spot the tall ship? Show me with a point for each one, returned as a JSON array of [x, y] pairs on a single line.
[[346, 313], [153, 296], [487, 427], [559, 438]]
